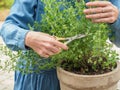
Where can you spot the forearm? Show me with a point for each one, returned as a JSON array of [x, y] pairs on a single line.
[[13, 36], [15, 27]]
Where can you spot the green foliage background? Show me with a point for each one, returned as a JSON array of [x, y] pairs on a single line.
[[6, 4]]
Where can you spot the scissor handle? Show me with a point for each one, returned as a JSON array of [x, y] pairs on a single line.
[[59, 38]]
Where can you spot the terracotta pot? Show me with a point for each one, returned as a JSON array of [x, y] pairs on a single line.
[[71, 81]]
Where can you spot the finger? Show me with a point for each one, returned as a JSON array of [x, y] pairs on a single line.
[[59, 45], [41, 52], [55, 49], [51, 47], [100, 15], [97, 10], [48, 52], [98, 3], [104, 20]]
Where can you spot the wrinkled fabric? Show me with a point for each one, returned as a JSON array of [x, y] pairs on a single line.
[[37, 81], [14, 30]]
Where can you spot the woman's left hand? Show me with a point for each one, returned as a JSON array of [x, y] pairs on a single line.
[[101, 11]]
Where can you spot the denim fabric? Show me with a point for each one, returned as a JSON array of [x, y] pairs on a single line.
[[37, 81], [14, 30]]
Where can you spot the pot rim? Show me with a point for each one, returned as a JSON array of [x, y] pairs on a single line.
[[91, 76]]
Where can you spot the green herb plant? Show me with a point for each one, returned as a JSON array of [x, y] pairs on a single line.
[[88, 55]]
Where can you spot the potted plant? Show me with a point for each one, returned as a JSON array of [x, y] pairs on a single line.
[[89, 63]]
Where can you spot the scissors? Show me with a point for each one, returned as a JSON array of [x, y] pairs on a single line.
[[70, 39]]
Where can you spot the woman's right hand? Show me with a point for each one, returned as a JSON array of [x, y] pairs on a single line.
[[44, 44]]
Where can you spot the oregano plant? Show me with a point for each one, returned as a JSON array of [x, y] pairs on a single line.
[[88, 55]]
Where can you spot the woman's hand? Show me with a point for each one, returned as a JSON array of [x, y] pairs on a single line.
[[44, 44], [101, 11]]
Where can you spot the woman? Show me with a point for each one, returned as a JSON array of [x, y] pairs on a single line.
[[16, 34]]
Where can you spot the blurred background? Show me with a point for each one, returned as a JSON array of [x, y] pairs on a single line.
[[5, 4], [5, 8], [6, 78]]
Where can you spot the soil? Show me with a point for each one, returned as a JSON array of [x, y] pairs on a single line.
[[85, 69]]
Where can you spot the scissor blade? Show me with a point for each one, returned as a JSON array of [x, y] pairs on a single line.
[[78, 36]]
